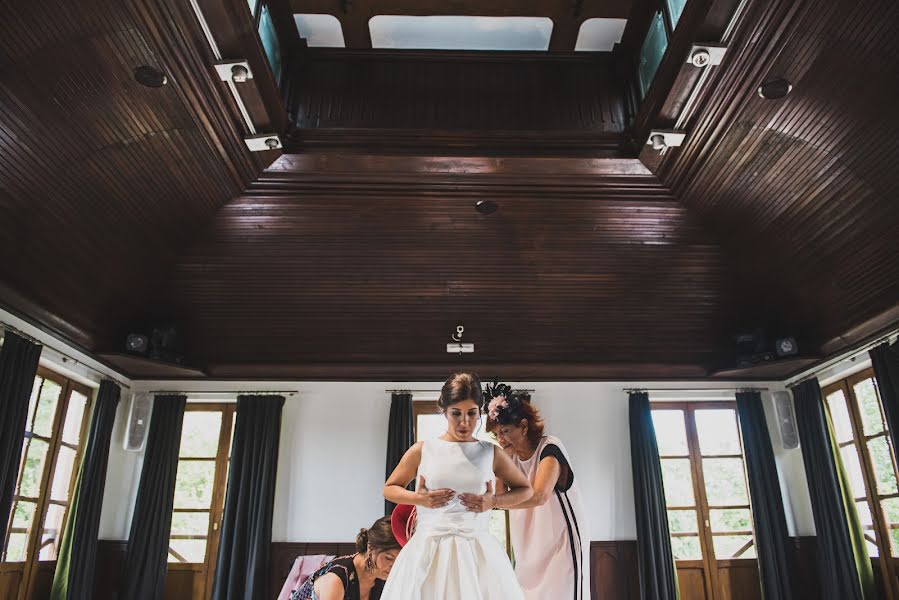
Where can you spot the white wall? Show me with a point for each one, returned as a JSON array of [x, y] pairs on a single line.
[[333, 447]]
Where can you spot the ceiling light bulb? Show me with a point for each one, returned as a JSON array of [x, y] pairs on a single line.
[[272, 143], [658, 142], [239, 74], [700, 58]]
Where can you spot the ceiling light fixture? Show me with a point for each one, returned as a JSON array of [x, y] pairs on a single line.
[[661, 140], [486, 207], [150, 76], [774, 89]]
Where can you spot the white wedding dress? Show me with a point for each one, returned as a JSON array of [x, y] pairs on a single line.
[[452, 555]]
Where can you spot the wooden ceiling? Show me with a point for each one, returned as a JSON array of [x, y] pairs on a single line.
[[122, 206]]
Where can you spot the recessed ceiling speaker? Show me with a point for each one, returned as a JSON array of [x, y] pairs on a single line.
[[138, 422], [786, 346], [137, 343], [486, 207], [786, 420], [774, 89], [150, 76]]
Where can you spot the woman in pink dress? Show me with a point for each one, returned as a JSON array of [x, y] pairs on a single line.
[[547, 530]]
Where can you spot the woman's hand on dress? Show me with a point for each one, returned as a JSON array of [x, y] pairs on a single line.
[[433, 498], [479, 502]]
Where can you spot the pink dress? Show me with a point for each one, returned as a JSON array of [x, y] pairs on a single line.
[[549, 553]]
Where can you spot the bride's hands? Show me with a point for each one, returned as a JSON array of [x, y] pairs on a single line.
[[479, 502], [432, 498]]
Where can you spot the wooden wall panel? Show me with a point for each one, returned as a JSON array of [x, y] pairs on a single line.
[[614, 571], [457, 103]]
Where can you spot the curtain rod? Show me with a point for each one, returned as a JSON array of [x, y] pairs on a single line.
[[730, 389], [813, 372], [224, 392], [435, 391], [65, 357]]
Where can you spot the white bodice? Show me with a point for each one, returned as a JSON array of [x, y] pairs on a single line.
[[464, 467]]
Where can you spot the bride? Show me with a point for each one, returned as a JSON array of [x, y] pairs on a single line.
[[452, 555]]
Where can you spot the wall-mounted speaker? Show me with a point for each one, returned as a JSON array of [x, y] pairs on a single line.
[[786, 420], [138, 422]]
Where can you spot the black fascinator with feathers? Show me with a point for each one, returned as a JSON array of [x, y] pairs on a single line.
[[502, 404]]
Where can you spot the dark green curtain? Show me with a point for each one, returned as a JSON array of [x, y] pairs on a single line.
[[769, 519], [658, 578], [885, 359], [74, 577], [843, 565], [146, 559], [242, 568], [400, 435], [18, 366]]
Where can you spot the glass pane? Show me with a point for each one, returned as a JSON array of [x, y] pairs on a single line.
[[269, 38], [678, 482], [498, 527], [599, 35], [675, 9], [32, 401], [853, 470], [193, 484], [15, 551], [725, 484], [671, 432], [190, 523], [839, 414], [891, 513], [733, 546], [200, 434], [52, 534], [46, 408], [873, 550], [460, 32], [717, 431], [71, 431], [652, 51], [864, 514], [188, 551], [22, 514], [884, 473], [62, 476], [732, 519], [686, 548], [33, 468], [682, 521], [320, 31], [869, 406]]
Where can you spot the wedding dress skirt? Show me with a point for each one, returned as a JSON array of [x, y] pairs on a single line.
[[452, 555]]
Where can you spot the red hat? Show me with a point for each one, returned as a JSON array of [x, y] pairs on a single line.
[[402, 521]]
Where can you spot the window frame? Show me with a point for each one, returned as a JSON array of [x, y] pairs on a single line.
[[709, 562], [32, 563], [880, 524], [217, 503]]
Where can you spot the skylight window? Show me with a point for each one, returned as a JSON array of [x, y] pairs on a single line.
[[320, 31], [460, 32], [599, 35]]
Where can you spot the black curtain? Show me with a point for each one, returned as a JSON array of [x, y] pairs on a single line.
[[771, 536], [74, 577], [658, 578], [885, 359], [843, 564], [18, 366], [146, 559], [400, 435], [242, 568]]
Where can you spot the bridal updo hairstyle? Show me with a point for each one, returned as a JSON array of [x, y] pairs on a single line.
[[379, 538], [459, 388]]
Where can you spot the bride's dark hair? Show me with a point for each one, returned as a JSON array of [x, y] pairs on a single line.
[[459, 388]]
